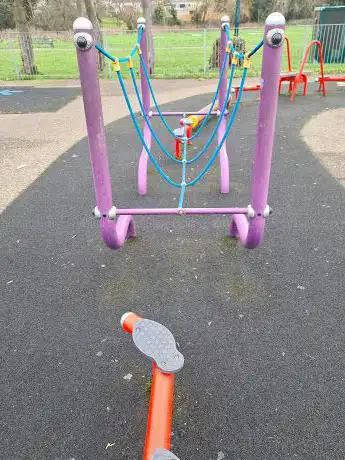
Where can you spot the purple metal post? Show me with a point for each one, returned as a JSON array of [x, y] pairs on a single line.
[[114, 233], [176, 114], [183, 211], [145, 91], [223, 156], [251, 232]]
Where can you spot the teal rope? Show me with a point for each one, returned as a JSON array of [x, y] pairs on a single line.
[[241, 55], [256, 48], [147, 120], [228, 128], [161, 116], [125, 59], [215, 154], [184, 162], [208, 143], [231, 46], [220, 118], [140, 134]]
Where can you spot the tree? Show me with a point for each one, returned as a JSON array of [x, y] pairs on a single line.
[[22, 13], [221, 6], [6, 15], [124, 12], [199, 15], [147, 10], [79, 5], [55, 14], [173, 20], [92, 15], [159, 13]]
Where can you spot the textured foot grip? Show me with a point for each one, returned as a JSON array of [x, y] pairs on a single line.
[[158, 343], [163, 454]]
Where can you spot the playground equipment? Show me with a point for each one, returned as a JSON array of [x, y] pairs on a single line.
[[248, 222], [300, 77], [195, 120], [327, 79]]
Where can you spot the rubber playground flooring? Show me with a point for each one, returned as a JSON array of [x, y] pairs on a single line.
[[262, 331], [29, 100]]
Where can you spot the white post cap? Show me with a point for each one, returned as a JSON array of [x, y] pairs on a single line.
[[124, 317], [82, 24], [275, 19]]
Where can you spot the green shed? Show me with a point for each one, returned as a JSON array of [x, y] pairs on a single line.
[[329, 29]]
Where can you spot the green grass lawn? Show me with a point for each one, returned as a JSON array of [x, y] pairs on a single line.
[[180, 54]]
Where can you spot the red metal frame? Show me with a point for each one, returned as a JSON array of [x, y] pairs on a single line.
[[159, 419], [326, 78], [247, 88], [300, 77], [258, 87], [178, 142]]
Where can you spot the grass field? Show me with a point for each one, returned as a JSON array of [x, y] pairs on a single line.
[[179, 54]]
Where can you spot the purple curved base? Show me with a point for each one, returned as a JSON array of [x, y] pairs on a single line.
[[250, 233], [143, 162], [224, 183], [115, 233]]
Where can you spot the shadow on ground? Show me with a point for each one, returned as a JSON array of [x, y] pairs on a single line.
[[262, 331], [28, 99]]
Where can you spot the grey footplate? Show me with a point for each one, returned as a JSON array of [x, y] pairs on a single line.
[[163, 454], [158, 343]]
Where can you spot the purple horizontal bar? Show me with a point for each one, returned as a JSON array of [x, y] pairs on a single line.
[[172, 114], [167, 211]]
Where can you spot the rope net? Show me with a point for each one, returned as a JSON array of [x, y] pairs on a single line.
[[184, 139]]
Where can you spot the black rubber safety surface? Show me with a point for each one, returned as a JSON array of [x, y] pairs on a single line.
[[28, 99], [262, 331]]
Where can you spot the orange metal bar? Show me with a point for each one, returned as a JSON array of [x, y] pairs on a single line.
[[159, 420], [301, 77], [288, 49], [177, 149], [247, 88], [333, 78], [306, 54]]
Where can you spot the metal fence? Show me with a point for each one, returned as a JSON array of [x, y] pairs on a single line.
[[180, 53]]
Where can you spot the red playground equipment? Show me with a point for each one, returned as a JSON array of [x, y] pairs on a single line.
[[300, 77], [329, 78], [296, 78]]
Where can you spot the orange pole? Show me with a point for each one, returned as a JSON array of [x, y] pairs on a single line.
[[305, 57], [288, 49], [177, 149], [159, 419]]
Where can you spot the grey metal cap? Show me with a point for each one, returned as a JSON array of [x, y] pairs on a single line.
[[163, 454]]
